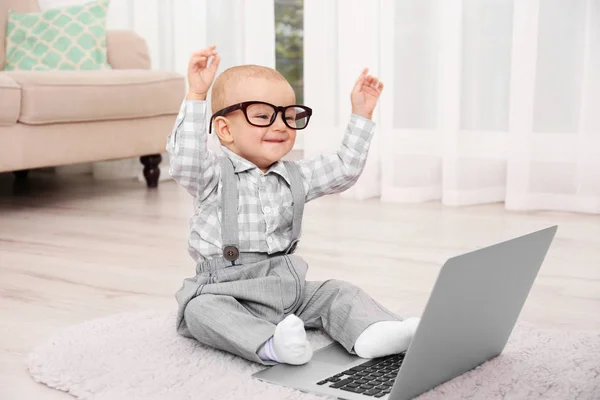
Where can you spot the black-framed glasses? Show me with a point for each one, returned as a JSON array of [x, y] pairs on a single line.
[[261, 114]]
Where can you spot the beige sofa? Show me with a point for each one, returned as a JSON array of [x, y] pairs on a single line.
[[67, 117]]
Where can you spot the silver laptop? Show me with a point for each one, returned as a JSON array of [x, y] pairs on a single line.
[[469, 317]]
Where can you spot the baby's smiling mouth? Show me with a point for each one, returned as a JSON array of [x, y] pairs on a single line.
[[275, 140]]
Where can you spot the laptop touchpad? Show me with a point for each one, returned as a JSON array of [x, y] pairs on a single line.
[[334, 354]]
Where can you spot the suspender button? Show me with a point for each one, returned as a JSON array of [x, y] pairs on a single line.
[[231, 253]]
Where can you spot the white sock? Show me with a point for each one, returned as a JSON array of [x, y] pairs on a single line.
[[385, 338], [289, 344]]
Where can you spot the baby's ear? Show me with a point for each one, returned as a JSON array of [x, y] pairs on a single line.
[[221, 128]]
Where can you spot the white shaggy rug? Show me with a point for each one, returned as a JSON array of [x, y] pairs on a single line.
[[140, 356]]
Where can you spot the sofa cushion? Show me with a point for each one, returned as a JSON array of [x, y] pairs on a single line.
[[127, 50], [67, 38], [18, 6], [75, 96], [10, 93]]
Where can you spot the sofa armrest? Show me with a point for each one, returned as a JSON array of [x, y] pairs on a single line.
[[126, 50], [10, 95]]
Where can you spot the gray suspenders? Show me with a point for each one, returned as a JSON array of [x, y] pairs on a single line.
[[229, 193], [229, 228]]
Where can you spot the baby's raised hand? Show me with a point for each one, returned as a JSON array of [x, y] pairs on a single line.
[[200, 74], [365, 94]]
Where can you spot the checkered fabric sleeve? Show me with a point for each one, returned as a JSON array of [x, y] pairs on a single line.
[[338, 171], [193, 165]]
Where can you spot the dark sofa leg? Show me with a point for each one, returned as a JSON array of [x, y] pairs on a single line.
[[151, 169], [21, 175]]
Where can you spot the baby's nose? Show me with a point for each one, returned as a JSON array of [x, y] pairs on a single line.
[[279, 124]]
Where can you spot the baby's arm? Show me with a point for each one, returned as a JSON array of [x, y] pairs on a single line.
[[193, 165], [334, 173]]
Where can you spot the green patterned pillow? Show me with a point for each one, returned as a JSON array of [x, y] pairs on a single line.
[[65, 38]]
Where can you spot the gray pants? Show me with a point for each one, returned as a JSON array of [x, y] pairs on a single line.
[[236, 308]]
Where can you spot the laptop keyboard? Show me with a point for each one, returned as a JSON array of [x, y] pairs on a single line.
[[373, 378]]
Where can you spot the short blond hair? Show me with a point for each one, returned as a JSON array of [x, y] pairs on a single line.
[[235, 75]]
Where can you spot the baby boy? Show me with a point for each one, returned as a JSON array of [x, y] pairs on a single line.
[[249, 295]]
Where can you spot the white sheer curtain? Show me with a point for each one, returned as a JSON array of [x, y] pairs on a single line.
[[485, 100], [340, 38], [553, 148]]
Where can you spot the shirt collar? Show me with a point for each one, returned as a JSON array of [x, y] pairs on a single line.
[[240, 164]]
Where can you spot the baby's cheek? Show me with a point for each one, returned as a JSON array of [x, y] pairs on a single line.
[[252, 143]]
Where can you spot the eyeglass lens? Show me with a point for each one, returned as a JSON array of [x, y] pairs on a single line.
[[262, 115]]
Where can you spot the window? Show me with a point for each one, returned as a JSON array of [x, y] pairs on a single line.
[[289, 43]]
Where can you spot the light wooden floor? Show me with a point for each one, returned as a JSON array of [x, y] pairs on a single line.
[[72, 250]]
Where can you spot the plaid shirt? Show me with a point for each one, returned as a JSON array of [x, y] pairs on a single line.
[[265, 204]]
